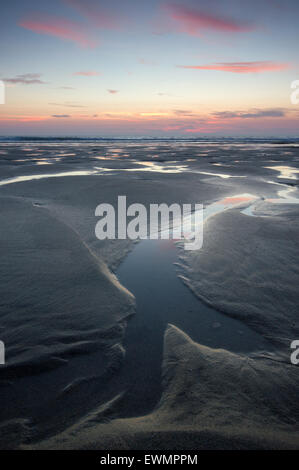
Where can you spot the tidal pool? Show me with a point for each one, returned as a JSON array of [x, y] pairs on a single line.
[[149, 272], [20, 179]]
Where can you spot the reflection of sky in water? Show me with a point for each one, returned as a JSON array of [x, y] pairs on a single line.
[[156, 167], [20, 179], [287, 172], [221, 175], [223, 164], [64, 154], [284, 197], [149, 166], [168, 168], [107, 157], [46, 161], [228, 203], [192, 221]]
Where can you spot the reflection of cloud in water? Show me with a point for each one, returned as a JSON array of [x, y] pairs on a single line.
[[236, 199]]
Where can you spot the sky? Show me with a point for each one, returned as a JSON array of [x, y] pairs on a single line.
[[125, 68]]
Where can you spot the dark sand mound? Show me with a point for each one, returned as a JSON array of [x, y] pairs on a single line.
[[63, 317], [56, 291], [212, 399]]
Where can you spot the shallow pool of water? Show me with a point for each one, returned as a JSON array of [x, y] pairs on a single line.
[[20, 179], [161, 296], [287, 172], [150, 273]]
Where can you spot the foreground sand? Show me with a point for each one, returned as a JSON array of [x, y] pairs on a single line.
[[212, 399], [64, 313]]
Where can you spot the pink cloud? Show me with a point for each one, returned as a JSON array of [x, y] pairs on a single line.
[[136, 125], [22, 118], [113, 92], [59, 28], [87, 73], [241, 67], [194, 21]]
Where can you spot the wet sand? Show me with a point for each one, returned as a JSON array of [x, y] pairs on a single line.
[[86, 322]]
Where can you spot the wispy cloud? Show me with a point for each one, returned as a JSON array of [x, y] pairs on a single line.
[[194, 21], [59, 28], [64, 116], [113, 92], [68, 105], [87, 73], [255, 113], [183, 112], [241, 67], [26, 79]]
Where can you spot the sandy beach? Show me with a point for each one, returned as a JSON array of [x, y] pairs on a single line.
[[115, 344]]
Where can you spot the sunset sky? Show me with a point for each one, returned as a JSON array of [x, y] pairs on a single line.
[[148, 67]]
